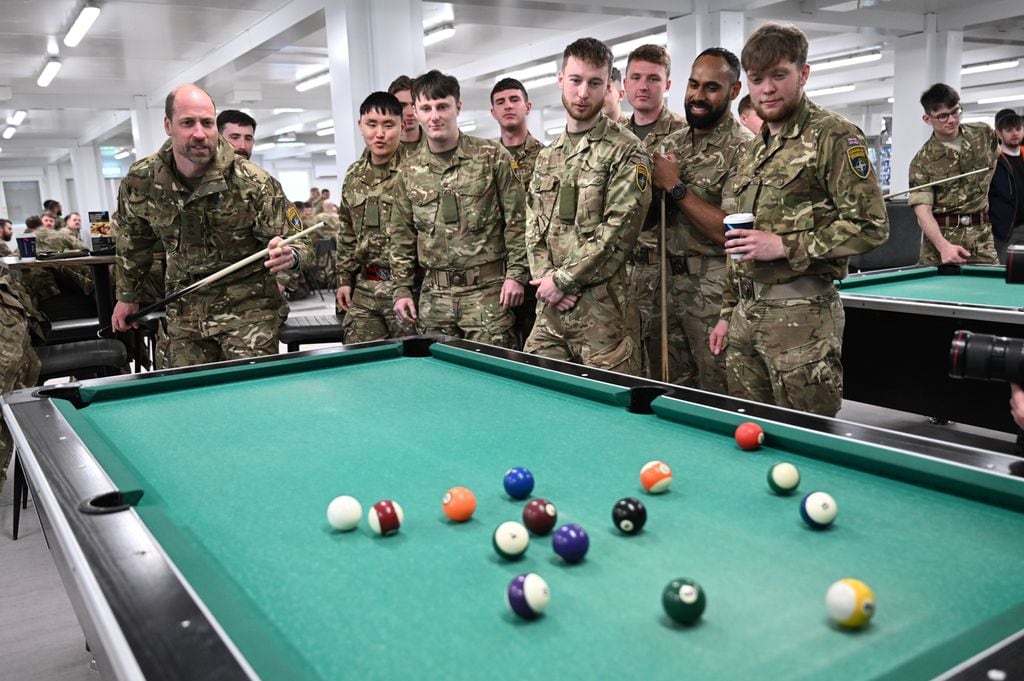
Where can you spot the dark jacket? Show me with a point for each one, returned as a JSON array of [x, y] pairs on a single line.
[[1003, 195]]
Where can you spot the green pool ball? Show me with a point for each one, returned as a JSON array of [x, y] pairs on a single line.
[[683, 600], [783, 478]]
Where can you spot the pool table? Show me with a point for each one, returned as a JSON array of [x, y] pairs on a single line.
[[899, 324], [186, 512]]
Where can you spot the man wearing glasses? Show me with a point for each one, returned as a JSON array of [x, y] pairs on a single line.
[[953, 215]]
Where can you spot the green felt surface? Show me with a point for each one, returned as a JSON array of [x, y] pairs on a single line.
[[973, 286], [238, 476]]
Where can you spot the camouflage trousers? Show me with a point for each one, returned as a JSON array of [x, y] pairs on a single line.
[[470, 312], [232, 322], [977, 239], [602, 331], [694, 304], [19, 368], [787, 353], [644, 289], [372, 314]]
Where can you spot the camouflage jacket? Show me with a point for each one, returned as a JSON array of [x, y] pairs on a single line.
[[457, 215], [706, 165], [979, 148], [6, 250], [17, 301], [54, 241], [234, 212], [586, 206], [525, 158], [811, 184], [667, 124], [366, 200]]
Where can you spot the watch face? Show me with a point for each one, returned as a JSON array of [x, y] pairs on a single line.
[[678, 191]]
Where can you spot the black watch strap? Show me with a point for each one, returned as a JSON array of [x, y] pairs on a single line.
[[678, 192]]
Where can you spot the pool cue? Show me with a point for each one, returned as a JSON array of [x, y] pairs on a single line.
[[664, 294], [213, 278], [947, 179]]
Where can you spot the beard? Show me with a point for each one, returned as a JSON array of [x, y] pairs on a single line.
[[705, 120], [197, 153], [591, 112], [780, 113]]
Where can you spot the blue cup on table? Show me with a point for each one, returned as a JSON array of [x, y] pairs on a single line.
[[27, 246], [738, 221]]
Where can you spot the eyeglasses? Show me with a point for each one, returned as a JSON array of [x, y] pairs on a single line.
[[943, 117]]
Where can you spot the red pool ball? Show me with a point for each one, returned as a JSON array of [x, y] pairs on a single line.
[[540, 516], [749, 436]]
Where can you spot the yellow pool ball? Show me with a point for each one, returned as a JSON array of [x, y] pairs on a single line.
[[850, 603]]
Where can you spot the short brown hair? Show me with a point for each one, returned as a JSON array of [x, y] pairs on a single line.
[[589, 50], [745, 104], [33, 222], [654, 54], [436, 85], [401, 83], [771, 44]]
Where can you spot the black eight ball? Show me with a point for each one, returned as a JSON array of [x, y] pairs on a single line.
[[629, 515]]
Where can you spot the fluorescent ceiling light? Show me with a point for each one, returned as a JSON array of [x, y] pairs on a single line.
[[17, 117], [324, 132], [540, 82], [438, 34], [278, 112], [295, 127], [999, 100], [328, 123], [290, 137], [990, 66], [82, 25], [852, 60], [265, 146], [124, 153], [314, 81], [831, 90], [623, 49], [291, 143], [535, 71], [468, 126], [330, 152], [49, 72], [9, 132], [891, 100]]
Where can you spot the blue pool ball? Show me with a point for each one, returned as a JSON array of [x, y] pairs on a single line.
[[818, 509], [571, 543], [518, 482]]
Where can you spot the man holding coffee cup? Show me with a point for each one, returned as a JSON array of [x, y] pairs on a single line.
[[815, 202]]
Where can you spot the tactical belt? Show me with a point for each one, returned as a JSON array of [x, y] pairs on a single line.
[[470, 276], [376, 273], [948, 220], [643, 256], [695, 264], [801, 287]]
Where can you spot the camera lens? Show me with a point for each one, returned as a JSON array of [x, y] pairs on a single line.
[[986, 358]]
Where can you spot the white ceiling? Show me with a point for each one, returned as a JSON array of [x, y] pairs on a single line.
[[144, 47]]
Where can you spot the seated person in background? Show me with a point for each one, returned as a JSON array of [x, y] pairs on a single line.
[[72, 226], [46, 284], [6, 236], [953, 215]]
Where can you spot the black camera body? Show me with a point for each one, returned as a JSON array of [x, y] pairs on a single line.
[[986, 357]]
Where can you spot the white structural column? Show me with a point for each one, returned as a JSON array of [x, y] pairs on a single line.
[[920, 61], [369, 43], [89, 193], [54, 187], [690, 35], [147, 126]]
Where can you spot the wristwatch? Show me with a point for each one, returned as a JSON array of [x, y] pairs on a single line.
[[678, 192]]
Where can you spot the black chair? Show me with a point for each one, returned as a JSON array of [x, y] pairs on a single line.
[[322, 272], [309, 329], [903, 247]]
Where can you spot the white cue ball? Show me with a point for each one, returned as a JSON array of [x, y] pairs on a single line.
[[344, 513]]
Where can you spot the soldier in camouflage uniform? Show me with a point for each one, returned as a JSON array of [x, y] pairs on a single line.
[[589, 194], [954, 215], [510, 105], [459, 209], [6, 234], [209, 208], [19, 365], [365, 290], [700, 160], [648, 68], [613, 99], [412, 133], [42, 282], [815, 202]]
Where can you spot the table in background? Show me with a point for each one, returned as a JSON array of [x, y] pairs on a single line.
[[226, 568], [899, 324]]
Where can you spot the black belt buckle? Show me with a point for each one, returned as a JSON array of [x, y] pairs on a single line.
[[640, 256], [746, 288], [456, 278], [678, 266]]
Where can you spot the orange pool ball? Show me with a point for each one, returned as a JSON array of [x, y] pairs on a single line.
[[656, 476], [458, 504]]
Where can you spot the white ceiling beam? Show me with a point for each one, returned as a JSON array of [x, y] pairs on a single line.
[[92, 101], [972, 14], [508, 60], [663, 8], [99, 125], [803, 13]]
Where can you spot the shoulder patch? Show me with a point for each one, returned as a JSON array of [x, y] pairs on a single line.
[[859, 164], [515, 170], [854, 142], [643, 177], [293, 218]]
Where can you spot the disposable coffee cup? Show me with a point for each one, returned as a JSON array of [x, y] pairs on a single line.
[[27, 246], [738, 221]]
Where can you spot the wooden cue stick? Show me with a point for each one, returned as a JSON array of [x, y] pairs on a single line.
[[215, 277], [929, 184], [664, 294]]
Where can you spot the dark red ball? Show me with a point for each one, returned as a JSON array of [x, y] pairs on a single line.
[[540, 516]]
